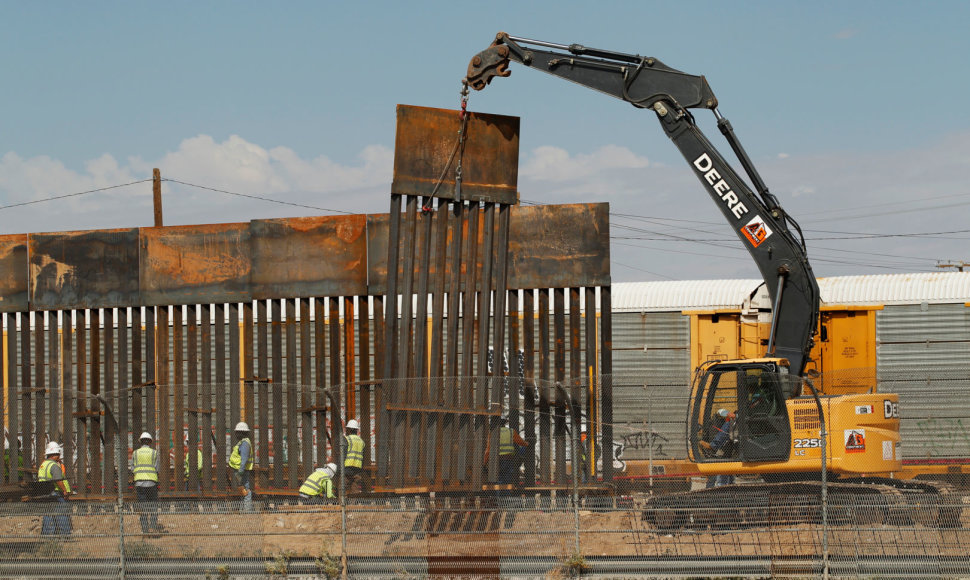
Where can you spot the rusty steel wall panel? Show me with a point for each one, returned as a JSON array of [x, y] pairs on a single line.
[[427, 152], [305, 257], [195, 264], [555, 246], [13, 282], [91, 269], [550, 246]]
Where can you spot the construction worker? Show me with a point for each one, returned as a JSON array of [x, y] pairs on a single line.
[[584, 453], [354, 461], [52, 470], [319, 486], [144, 468], [198, 457], [509, 459], [723, 445], [241, 461]]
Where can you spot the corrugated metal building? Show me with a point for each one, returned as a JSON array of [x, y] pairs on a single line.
[[913, 328]]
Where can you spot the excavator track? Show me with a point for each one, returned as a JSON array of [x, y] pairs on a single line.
[[857, 501]]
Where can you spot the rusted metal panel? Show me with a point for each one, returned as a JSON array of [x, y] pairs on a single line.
[[427, 152], [549, 246], [556, 246], [305, 257], [90, 269], [195, 264], [13, 264]]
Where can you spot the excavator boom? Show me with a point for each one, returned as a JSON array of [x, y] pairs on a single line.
[[760, 223]]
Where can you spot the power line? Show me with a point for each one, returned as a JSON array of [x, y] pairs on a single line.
[[260, 198], [56, 197]]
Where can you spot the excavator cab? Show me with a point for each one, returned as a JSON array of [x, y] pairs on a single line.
[[738, 413]]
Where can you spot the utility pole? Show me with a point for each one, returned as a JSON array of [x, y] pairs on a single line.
[[958, 265], [157, 195]]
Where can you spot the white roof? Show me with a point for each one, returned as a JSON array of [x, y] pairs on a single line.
[[939, 287]]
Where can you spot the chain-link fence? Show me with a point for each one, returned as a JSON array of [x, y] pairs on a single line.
[[513, 535]]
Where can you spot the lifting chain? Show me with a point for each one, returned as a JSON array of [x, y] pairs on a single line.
[[459, 150]]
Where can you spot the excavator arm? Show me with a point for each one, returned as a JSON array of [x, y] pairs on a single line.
[[758, 220]]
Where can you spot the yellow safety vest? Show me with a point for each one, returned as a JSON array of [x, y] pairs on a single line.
[[44, 473], [505, 446], [235, 460], [355, 451], [199, 456], [317, 484], [143, 464]]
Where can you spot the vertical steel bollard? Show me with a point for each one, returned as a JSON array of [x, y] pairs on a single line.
[[121, 504], [343, 503], [575, 471], [121, 488]]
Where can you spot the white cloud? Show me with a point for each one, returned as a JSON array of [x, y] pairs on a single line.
[[550, 163], [234, 165]]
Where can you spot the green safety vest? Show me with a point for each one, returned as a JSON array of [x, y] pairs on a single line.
[[317, 484], [235, 459], [143, 464], [44, 473], [505, 446], [199, 456], [355, 451]]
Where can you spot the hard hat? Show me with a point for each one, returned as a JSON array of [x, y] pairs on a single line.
[[353, 424], [146, 435], [723, 412], [331, 469], [242, 426], [52, 449]]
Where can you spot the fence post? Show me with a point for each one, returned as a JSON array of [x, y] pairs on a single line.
[[113, 424], [575, 460]]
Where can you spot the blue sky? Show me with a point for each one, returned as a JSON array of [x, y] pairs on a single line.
[[852, 112]]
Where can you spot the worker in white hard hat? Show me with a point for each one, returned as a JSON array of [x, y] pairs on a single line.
[[241, 462], [144, 468], [354, 459], [318, 487], [52, 470]]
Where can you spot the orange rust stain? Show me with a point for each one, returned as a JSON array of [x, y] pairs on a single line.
[[214, 262], [351, 229]]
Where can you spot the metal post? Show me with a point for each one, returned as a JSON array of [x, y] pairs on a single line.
[[343, 504], [575, 461], [339, 460], [119, 457], [649, 439], [575, 471]]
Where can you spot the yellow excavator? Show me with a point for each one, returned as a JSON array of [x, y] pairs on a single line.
[[760, 416]]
